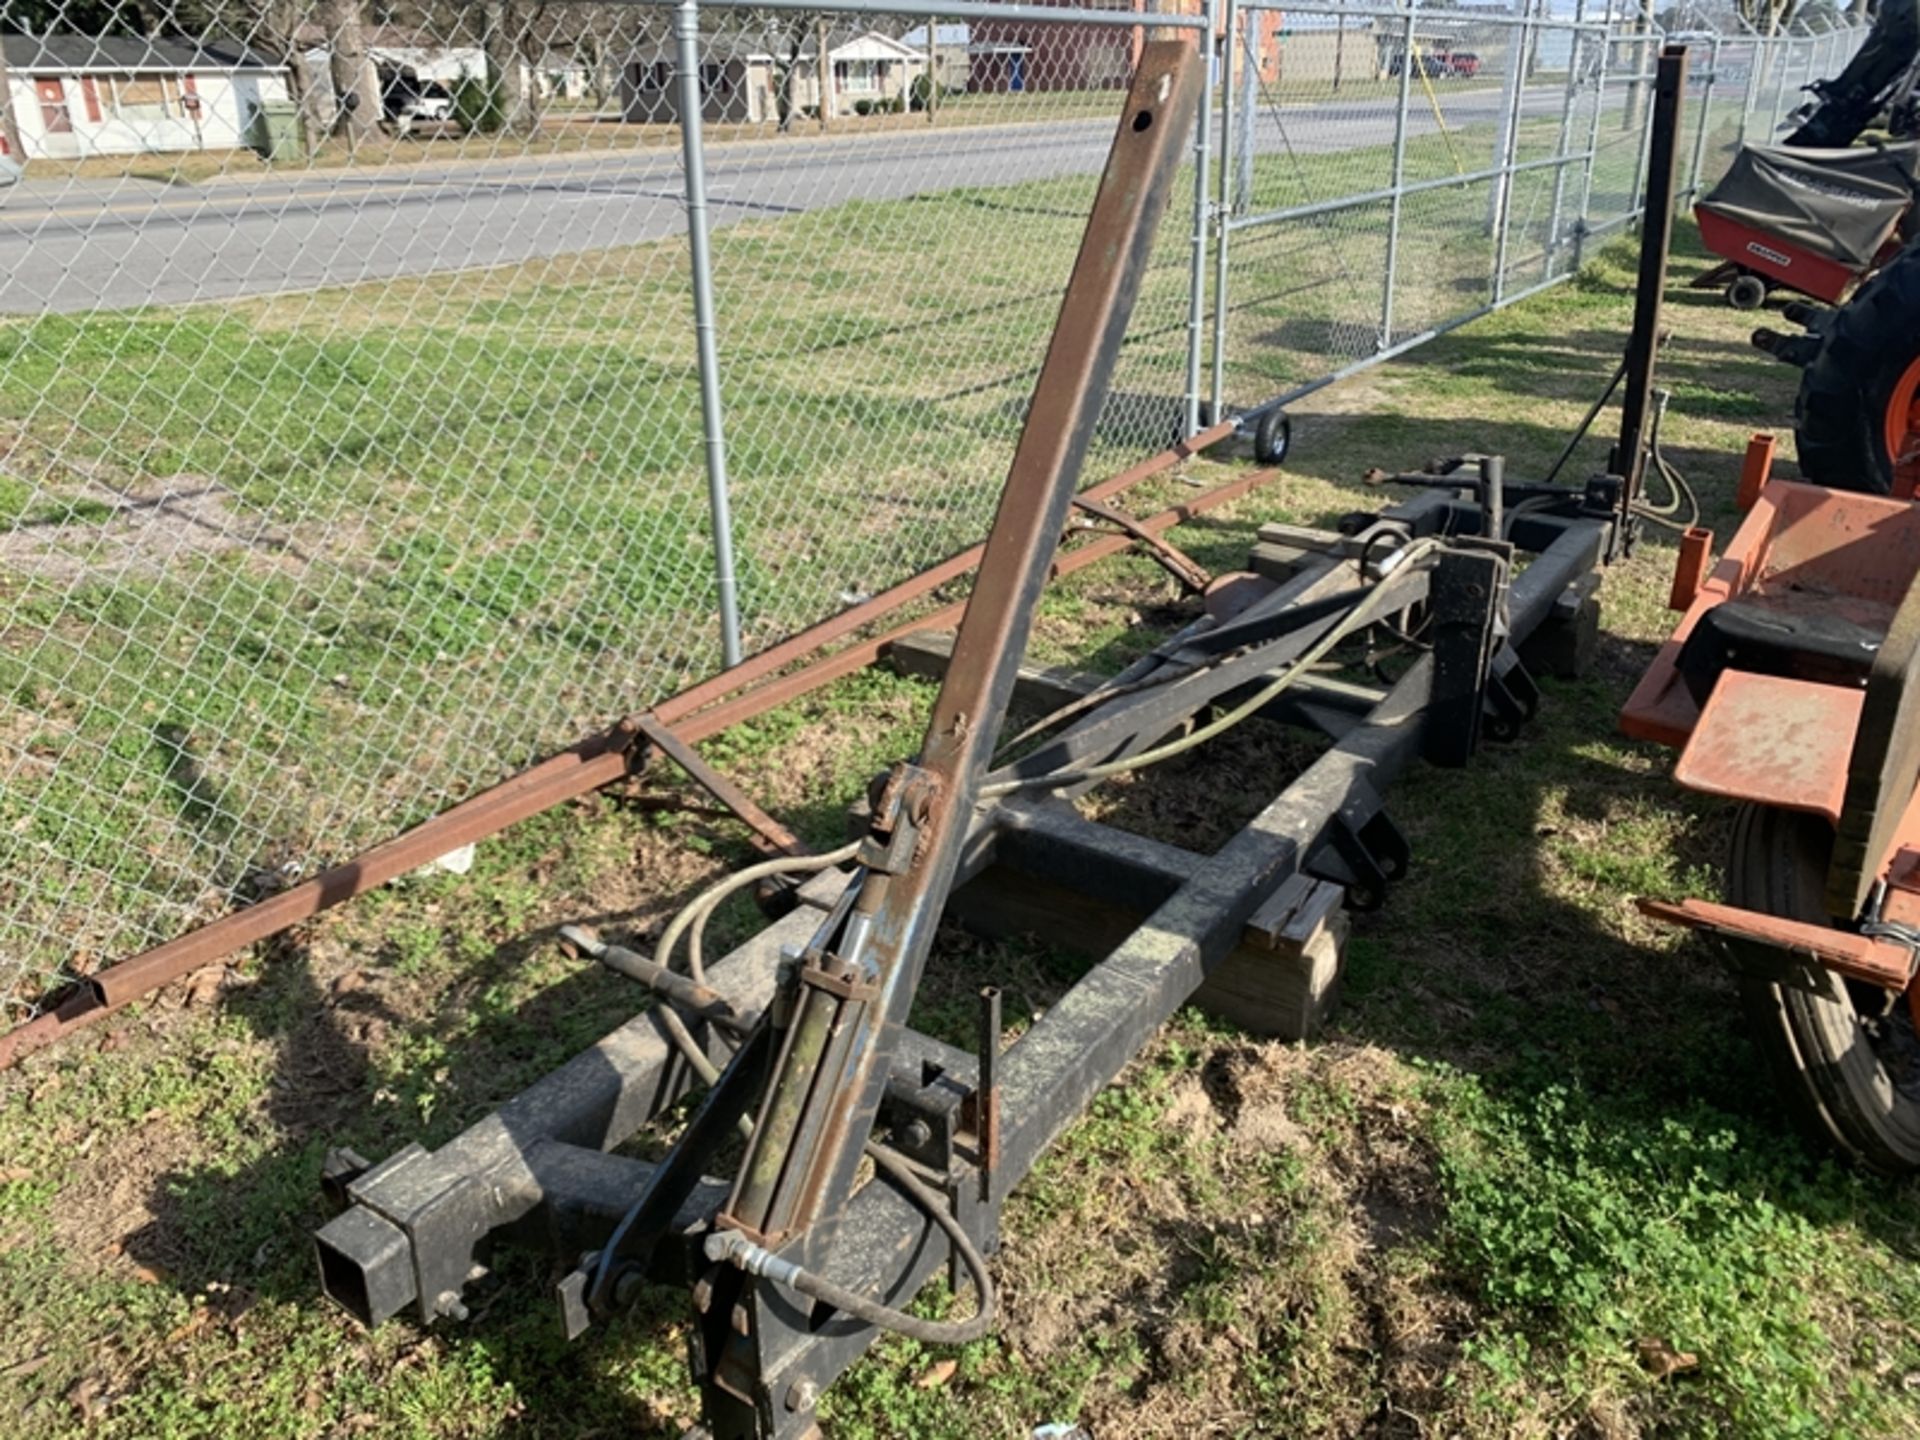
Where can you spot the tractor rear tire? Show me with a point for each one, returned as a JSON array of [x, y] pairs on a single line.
[[1823, 1050], [1853, 417]]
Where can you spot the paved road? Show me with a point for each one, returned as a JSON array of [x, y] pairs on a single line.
[[77, 245]]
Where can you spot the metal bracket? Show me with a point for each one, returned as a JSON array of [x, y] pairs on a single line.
[[1513, 697], [1186, 571], [1371, 853]]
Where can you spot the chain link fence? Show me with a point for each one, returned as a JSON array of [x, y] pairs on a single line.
[[1391, 173], [373, 420]]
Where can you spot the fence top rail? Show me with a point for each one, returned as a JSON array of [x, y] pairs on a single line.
[[957, 10], [1422, 14]]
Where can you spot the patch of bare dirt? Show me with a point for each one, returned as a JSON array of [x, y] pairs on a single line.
[[107, 534], [112, 1193], [1251, 1300], [1200, 801], [1248, 1300]]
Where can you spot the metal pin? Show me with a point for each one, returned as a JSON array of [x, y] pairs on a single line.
[[986, 1098]]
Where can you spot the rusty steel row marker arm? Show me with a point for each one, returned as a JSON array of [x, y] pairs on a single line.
[[854, 993]]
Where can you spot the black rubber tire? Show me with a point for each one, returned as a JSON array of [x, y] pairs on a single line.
[[1272, 438], [1839, 417], [1836, 1087], [1746, 292]]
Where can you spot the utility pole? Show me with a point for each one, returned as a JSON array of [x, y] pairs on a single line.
[[933, 67], [823, 73], [1339, 46]]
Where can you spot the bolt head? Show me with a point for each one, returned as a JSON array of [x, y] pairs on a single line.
[[802, 1395]]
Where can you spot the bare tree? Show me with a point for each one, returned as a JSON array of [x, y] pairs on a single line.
[[787, 32], [273, 27], [356, 83]]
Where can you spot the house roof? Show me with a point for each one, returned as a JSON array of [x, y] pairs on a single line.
[[916, 38], [121, 53], [874, 46]]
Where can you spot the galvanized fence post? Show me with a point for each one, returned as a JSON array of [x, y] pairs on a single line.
[[1777, 77], [1585, 222], [1248, 113], [686, 34], [1197, 256], [1750, 91], [1519, 47], [1807, 45], [1644, 47], [1504, 123], [1399, 179], [1576, 62], [1706, 118], [1231, 153]]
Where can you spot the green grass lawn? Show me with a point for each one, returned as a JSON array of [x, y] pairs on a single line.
[[1533, 1161]]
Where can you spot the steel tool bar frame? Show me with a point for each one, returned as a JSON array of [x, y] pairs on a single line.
[[417, 1228]]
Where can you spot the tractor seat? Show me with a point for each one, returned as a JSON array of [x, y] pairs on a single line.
[[1762, 639]]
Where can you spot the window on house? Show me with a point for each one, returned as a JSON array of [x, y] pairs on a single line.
[[854, 76], [147, 98]]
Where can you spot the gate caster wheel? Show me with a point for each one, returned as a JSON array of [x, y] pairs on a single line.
[[1272, 438], [1746, 292]]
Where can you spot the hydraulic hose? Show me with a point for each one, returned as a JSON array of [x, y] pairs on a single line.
[[697, 911], [1361, 615], [734, 1248]]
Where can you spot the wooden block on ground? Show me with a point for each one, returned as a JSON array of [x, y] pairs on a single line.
[[1283, 979], [1564, 646], [1304, 537]]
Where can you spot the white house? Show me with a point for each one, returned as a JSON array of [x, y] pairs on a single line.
[[743, 87], [872, 67], [80, 95]]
